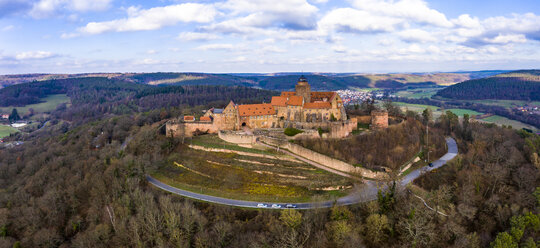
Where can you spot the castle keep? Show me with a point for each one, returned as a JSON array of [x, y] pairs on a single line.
[[301, 108]]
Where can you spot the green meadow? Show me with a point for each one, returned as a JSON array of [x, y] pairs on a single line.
[[50, 103], [6, 131]]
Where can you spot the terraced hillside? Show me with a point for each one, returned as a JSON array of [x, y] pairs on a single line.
[[215, 167]]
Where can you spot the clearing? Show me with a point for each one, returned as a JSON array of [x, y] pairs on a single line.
[[50, 103], [6, 131], [499, 120]]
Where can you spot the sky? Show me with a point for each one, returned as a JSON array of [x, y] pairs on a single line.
[[264, 36]]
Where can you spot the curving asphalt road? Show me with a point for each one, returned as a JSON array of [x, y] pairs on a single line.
[[367, 192]]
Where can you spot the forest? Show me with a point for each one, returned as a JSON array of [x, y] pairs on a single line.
[[391, 147], [81, 184], [498, 87]]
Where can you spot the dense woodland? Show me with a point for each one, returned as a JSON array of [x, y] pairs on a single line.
[[81, 184], [501, 88], [391, 147]]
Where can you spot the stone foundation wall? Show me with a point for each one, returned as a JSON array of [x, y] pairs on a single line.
[[237, 138], [322, 159], [333, 163]]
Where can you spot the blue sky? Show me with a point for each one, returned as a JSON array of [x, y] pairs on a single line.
[[73, 36]]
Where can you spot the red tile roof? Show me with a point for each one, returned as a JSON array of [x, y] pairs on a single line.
[[288, 93], [256, 109], [320, 96], [189, 118], [279, 101], [317, 105], [295, 100], [206, 118]]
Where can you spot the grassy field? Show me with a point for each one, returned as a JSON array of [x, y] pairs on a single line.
[[436, 110], [50, 103], [461, 112], [6, 131], [499, 120], [249, 178], [418, 93]]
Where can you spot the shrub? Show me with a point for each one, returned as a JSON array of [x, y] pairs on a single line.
[[292, 131]]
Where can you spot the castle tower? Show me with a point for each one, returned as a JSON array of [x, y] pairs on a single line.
[[303, 89], [379, 119]]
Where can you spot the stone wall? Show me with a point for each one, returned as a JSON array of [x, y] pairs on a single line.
[[322, 159], [237, 138], [332, 163], [177, 129], [364, 119], [343, 129]]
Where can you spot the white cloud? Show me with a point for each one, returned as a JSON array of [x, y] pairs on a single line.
[[339, 49], [47, 8], [352, 20], [216, 47], [34, 55], [409, 10], [151, 51], [154, 18], [416, 35], [505, 39], [195, 36], [273, 49], [467, 21], [498, 30], [249, 16]]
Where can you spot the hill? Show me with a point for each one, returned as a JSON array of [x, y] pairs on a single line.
[[272, 81], [516, 85]]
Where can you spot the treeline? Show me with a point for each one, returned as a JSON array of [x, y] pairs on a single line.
[[95, 97], [391, 147], [500, 88], [317, 82]]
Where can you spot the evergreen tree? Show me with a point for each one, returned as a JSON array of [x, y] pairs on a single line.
[[14, 116]]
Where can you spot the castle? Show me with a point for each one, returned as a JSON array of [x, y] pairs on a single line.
[[301, 108]]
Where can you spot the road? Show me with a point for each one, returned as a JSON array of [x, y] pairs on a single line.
[[367, 192]]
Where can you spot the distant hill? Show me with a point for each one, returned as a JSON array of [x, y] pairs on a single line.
[[317, 82], [174, 78], [515, 85], [272, 81]]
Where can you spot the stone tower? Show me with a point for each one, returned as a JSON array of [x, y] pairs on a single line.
[[303, 89], [379, 119]]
